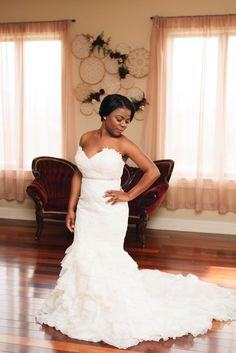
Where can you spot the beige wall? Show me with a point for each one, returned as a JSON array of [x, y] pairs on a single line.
[[125, 21]]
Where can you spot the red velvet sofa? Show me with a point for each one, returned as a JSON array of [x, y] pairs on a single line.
[[50, 191]]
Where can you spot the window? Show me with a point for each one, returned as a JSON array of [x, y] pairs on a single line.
[[31, 99], [36, 100], [201, 110], [191, 116]]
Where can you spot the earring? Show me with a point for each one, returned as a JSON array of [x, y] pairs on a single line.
[[104, 118]]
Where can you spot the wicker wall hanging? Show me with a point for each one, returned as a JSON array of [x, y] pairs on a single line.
[[104, 71]]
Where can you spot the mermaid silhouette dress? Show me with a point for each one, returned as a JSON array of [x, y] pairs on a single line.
[[101, 295]]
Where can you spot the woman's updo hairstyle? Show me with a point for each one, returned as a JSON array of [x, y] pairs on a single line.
[[113, 102]]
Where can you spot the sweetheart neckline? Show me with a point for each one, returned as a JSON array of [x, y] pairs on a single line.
[[104, 148]]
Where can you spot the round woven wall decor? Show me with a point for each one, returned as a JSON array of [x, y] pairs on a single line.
[[80, 47], [127, 82], [111, 65], [139, 115], [123, 48], [111, 84], [82, 91], [135, 93], [138, 62], [91, 70], [86, 108]]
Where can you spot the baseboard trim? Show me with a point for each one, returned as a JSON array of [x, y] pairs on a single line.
[[159, 223], [17, 213], [191, 225]]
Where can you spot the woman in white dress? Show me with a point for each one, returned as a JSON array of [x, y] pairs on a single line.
[[101, 295]]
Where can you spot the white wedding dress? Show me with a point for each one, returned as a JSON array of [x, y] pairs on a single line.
[[101, 295]]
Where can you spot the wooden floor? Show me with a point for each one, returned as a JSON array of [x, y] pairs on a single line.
[[29, 269]]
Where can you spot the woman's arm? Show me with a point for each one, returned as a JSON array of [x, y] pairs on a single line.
[[150, 170], [74, 196], [150, 174]]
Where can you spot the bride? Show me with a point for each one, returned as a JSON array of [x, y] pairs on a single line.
[[101, 295]]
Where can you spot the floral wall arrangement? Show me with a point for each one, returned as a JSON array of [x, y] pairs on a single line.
[[104, 71]]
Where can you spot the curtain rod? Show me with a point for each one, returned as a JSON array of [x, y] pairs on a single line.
[[72, 20], [225, 14]]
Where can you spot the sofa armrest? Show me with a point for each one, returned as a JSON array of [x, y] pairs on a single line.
[[37, 191], [149, 200], [148, 197]]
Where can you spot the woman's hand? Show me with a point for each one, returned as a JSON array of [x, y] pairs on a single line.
[[70, 220], [116, 196]]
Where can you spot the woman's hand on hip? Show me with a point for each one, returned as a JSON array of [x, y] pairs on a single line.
[[115, 196]]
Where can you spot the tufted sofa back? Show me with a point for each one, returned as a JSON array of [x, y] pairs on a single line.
[[53, 180]]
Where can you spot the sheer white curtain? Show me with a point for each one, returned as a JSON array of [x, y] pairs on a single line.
[[36, 100], [192, 113]]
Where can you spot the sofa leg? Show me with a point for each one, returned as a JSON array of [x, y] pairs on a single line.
[[39, 222], [140, 234]]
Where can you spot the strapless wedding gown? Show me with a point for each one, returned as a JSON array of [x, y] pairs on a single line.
[[101, 295]]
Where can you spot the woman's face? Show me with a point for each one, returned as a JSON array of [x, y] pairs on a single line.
[[117, 121]]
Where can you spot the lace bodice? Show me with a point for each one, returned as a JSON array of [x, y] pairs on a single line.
[[105, 164]]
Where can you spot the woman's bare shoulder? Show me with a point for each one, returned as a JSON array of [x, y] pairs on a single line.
[[125, 144], [125, 141], [87, 135]]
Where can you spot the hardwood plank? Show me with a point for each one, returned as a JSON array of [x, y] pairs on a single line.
[[60, 346], [29, 270]]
